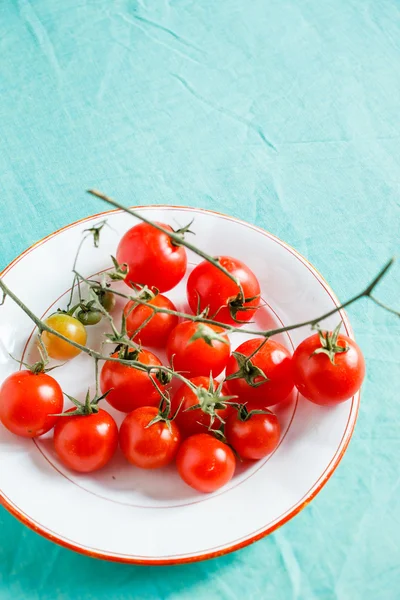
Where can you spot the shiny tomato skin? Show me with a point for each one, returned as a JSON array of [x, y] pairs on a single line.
[[152, 258], [28, 401], [130, 388], [68, 326], [205, 463], [196, 358], [195, 421], [321, 382], [148, 447], [157, 330], [207, 286], [254, 438], [86, 443], [275, 361]]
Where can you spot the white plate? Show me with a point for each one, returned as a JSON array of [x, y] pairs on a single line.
[[125, 514]]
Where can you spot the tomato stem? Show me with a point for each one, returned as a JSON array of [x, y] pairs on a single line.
[[41, 325], [176, 237], [95, 231], [366, 293], [121, 337]]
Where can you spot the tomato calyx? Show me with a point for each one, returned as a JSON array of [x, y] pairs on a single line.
[[244, 414], [329, 345], [95, 231], [126, 352], [238, 304], [164, 377], [37, 367], [89, 407], [144, 293], [181, 232], [164, 412], [211, 400], [248, 371], [206, 333], [120, 270]]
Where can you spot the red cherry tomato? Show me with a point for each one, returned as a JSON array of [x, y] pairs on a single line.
[[148, 447], [28, 402], [205, 463], [198, 420], [85, 443], [152, 258], [208, 287], [255, 437], [322, 382], [130, 388], [158, 328], [275, 362], [197, 357]]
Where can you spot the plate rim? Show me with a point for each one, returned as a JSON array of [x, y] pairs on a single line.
[[307, 498]]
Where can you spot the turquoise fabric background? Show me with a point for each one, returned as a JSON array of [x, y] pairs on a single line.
[[281, 112]]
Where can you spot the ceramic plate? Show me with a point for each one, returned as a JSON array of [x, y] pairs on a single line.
[[125, 514]]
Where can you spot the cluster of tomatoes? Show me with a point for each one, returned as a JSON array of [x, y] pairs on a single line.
[[205, 424]]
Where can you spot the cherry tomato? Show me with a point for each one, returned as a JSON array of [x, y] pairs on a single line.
[[205, 463], [89, 317], [70, 328], [130, 388], [254, 437], [198, 420], [275, 362], [106, 299], [198, 357], [148, 447], [152, 257], [86, 443], [160, 325], [208, 287], [322, 382], [28, 402]]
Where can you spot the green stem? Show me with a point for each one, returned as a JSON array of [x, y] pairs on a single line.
[[366, 293], [172, 234], [41, 325], [73, 269], [96, 375], [382, 305]]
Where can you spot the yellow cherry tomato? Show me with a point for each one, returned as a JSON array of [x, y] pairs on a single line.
[[70, 328]]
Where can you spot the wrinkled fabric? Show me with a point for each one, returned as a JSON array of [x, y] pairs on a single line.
[[281, 112]]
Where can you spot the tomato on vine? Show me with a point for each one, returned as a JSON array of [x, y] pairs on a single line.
[[260, 372], [29, 400], [201, 407], [198, 349], [153, 259], [149, 437], [128, 386], [88, 315], [253, 434], [211, 290], [68, 326], [85, 437], [205, 463], [328, 367], [106, 298], [158, 326]]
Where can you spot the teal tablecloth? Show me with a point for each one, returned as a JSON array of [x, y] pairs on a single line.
[[281, 112]]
